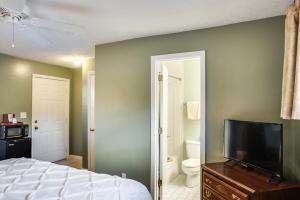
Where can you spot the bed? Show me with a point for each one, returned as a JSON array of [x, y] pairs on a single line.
[[30, 179]]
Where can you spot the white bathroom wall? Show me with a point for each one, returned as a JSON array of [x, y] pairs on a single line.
[[191, 93], [175, 68], [175, 128]]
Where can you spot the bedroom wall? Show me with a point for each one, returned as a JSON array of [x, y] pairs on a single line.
[[16, 90], [76, 129], [243, 81]]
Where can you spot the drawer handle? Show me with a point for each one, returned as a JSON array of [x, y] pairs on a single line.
[[207, 193], [235, 197], [11, 145], [208, 181]]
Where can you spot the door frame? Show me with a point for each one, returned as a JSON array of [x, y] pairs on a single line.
[[89, 74], [67, 133], [155, 110]]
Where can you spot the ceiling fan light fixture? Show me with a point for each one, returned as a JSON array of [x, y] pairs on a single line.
[[78, 62]]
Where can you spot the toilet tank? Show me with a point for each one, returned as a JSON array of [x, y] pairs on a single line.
[[192, 149]]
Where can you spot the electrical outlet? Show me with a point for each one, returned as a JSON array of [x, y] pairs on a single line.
[[123, 175], [23, 115]]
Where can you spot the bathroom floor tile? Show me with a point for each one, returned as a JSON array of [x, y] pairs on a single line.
[[176, 190]]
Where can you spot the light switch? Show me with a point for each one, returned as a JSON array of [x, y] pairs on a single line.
[[23, 115]]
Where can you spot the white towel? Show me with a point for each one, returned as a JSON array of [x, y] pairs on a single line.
[[193, 110]]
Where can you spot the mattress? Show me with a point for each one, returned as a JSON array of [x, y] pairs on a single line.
[[30, 179]]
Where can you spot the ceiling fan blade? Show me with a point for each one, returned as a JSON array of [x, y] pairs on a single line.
[[56, 26], [26, 10], [62, 6], [15, 5], [35, 36]]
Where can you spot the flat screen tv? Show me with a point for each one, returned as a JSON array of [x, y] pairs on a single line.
[[255, 144]]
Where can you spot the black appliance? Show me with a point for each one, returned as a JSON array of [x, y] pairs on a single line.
[[13, 131], [255, 144], [17, 148]]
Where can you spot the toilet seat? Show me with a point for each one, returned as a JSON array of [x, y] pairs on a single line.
[[191, 167], [191, 163]]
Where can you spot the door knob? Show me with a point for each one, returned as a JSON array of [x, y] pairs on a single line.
[[91, 129], [36, 128]]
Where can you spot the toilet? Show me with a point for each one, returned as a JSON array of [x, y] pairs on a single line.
[[191, 166]]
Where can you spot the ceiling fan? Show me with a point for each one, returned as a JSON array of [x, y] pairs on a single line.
[[17, 13]]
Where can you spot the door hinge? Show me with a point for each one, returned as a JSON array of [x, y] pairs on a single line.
[[159, 183], [160, 131], [160, 77]]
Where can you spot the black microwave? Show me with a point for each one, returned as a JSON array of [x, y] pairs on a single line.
[[9, 131]]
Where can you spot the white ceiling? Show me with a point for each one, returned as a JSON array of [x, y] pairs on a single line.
[[114, 20]]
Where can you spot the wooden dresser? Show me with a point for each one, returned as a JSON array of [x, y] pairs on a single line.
[[223, 182]]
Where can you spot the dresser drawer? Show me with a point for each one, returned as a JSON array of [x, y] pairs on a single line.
[[208, 194], [223, 189]]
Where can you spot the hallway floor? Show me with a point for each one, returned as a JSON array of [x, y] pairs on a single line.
[[71, 162], [176, 190]]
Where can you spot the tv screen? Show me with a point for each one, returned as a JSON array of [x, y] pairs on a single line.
[[256, 144]]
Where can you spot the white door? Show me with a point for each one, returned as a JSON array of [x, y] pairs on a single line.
[[50, 118], [91, 120], [163, 126]]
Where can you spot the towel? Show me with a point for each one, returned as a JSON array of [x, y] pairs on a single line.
[[193, 110]]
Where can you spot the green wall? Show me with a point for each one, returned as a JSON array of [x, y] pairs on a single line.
[[76, 113], [16, 87], [243, 81]]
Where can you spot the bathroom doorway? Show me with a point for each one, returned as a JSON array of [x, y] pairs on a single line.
[[178, 125]]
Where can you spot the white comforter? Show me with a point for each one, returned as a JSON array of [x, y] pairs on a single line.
[[31, 179]]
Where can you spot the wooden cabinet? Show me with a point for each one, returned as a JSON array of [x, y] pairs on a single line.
[[209, 194], [223, 188], [223, 182]]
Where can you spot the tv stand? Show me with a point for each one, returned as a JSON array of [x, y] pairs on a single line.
[[231, 163], [274, 179], [221, 181]]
